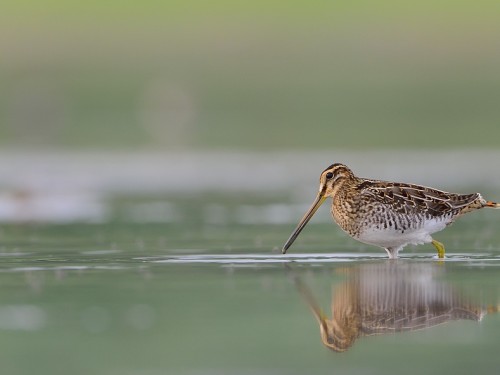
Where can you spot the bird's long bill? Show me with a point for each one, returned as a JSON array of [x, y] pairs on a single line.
[[308, 297], [317, 202]]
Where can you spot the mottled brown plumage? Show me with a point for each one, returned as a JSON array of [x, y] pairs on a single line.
[[382, 299], [390, 215]]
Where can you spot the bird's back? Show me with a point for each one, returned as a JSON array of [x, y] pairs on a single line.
[[413, 199], [394, 208]]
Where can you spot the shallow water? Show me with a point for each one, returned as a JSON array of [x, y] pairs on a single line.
[[123, 298], [116, 272]]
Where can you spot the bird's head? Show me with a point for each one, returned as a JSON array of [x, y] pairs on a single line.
[[332, 178], [334, 338], [330, 181]]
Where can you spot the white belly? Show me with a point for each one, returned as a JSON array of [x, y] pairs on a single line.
[[391, 238]]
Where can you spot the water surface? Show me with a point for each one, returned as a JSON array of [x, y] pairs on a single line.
[[166, 264], [133, 298]]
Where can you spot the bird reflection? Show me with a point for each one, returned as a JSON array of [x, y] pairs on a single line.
[[387, 298]]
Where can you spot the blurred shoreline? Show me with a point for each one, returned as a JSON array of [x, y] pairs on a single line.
[[139, 172], [222, 187]]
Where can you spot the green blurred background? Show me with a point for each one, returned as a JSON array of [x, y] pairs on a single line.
[[136, 136], [249, 75]]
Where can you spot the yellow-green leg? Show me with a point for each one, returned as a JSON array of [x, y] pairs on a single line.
[[439, 247]]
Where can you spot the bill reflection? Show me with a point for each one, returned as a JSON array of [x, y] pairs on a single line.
[[388, 298]]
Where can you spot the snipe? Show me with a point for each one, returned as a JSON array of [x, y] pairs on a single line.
[[380, 298], [386, 214]]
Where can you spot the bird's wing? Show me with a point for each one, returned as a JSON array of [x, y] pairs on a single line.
[[410, 198]]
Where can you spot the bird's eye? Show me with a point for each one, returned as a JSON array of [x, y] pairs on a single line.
[[329, 175]]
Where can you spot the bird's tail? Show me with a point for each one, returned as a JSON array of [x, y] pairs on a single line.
[[492, 204]]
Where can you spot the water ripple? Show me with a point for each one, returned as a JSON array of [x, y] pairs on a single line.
[[261, 258], [309, 258]]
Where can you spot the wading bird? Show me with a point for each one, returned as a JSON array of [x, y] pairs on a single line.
[[386, 214], [386, 298]]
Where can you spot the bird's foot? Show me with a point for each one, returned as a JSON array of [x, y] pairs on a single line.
[[440, 248]]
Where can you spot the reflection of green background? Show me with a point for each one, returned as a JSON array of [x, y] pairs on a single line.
[[256, 74]]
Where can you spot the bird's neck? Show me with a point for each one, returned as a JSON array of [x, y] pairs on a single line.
[[344, 188]]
